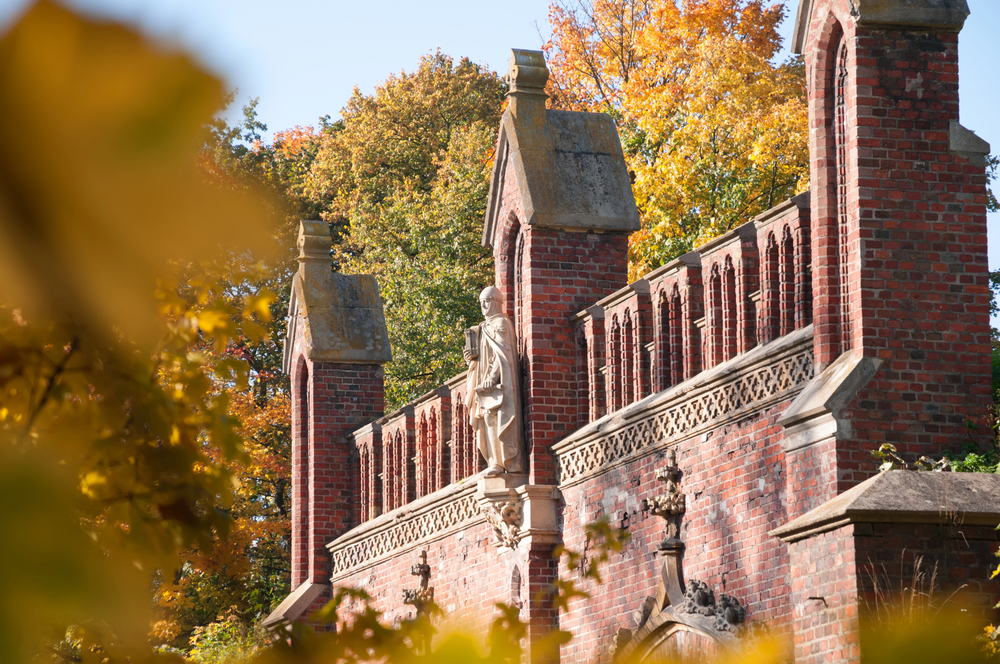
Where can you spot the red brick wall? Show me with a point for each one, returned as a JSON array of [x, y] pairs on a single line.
[[836, 575], [340, 399], [956, 554], [469, 575], [916, 270], [826, 629], [734, 479]]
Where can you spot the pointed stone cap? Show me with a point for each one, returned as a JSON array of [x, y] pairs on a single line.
[[904, 496], [333, 317], [566, 167]]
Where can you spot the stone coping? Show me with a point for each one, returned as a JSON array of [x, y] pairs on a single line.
[[640, 287], [456, 381], [800, 201], [738, 234], [293, 606], [426, 519], [690, 259], [904, 496], [650, 418]]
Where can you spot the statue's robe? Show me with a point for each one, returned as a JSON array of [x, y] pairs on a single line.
[[495, 408]]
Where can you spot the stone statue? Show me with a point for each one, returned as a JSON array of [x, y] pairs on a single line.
[[493, 394]]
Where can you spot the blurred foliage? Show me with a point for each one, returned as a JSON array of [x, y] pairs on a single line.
[[243, 576], [114, 414], [402, 179], [713, 132]]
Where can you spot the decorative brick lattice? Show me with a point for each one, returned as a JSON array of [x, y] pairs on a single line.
[[412, 528], [690, 413]]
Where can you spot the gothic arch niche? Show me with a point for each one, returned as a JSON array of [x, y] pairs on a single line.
[[666, 639]]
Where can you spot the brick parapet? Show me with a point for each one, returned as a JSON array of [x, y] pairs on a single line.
[[432, 422], [783, 239], [398, 468], [730, 263], [463, 455], [368, 449]]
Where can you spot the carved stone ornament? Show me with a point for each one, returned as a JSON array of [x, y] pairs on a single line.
[[671, 505], [505, 517], [681, 617], [424, 595]]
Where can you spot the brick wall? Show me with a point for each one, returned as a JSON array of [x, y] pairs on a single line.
[[899, 252], [843, 576], [734, 479], [824, 590], [341, 397]]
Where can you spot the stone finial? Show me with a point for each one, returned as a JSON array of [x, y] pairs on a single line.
[[527, 75], [314, 242], [424, 595], [671, 505]]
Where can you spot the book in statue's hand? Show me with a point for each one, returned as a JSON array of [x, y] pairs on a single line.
[[472, 341]]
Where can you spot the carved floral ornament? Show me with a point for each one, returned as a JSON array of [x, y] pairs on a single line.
[[505, 516], [423, 595], [680, 616]]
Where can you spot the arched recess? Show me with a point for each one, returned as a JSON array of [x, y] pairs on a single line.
[[829, 170], [300, 471], [664, 348], [730, 315], [423, 458], [673, 636], [505, 255], [628, 359], [714, 319], [840, 137], [786, 282], [676, 338], [770, 291], [613, 368]]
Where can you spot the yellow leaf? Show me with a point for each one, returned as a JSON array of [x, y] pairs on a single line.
[[99, 184]]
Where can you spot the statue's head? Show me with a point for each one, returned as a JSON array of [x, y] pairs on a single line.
[[491, 301]]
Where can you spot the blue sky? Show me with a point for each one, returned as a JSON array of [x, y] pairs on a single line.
[[302, 58]]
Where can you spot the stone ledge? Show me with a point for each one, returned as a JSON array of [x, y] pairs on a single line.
[[814, 416], [904, 496], [928, 15], [789, 356], [429, 518], [293, 606]]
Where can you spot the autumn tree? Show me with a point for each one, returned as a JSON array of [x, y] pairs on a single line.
[[713, 131], [402, 178], [116, 427], [245, 574]]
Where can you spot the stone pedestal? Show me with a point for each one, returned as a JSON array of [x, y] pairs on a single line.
[[518, 511]]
